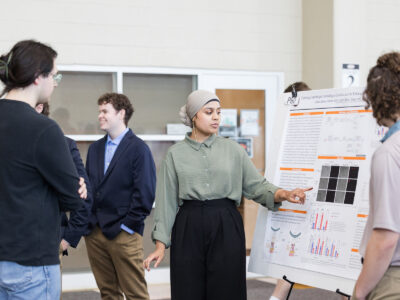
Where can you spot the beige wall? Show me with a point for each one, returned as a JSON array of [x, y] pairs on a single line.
[[219, 34], [350, 32], [318, 43], [341, 31], [306, 39], [383, 34], [364, 30]]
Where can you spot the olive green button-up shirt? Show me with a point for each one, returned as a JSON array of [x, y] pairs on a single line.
[[217, 168]]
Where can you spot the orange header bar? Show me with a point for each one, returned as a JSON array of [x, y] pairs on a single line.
[[312, 113], [343, 157], [354, 250], [293, 210], [328, 157], [362, 216], [297, 169], [355, 157], [338, 112]]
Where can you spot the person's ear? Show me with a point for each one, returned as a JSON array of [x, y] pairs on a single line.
[[37, 80], [39, 108], [122, 113]]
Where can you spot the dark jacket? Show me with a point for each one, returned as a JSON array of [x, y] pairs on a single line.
[[125, 193], [37, 179], [73, 229]]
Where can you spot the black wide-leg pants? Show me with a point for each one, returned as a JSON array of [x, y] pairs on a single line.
[[208, 252]]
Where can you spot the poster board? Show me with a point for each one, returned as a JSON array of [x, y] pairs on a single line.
[[327, 139]]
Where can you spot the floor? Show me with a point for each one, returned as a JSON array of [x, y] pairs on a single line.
[[257, 289]]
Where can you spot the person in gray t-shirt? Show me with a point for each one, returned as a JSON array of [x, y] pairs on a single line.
[[380, 246]]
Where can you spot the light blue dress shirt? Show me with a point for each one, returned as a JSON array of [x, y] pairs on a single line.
[[393, 129], [111, 147]]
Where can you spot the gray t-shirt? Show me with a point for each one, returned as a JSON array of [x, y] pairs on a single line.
[[384, 193]]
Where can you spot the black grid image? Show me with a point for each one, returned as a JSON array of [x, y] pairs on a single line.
[[337, 184]]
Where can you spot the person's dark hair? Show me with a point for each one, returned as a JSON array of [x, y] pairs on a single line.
[[299, 86], [118, 101], [383, 88], [24, 63]]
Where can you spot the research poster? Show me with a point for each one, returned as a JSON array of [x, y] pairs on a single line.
[[327, 144]]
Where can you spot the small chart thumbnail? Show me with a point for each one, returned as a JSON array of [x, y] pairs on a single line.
[[338, 184]]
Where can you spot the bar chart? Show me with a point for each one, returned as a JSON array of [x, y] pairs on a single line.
[[323, 247], [319, 220]]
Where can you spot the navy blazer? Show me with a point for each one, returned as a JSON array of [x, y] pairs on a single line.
[[73, 229], [125, 193]]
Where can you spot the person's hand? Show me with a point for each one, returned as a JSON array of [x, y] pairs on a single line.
[[82, 190], [157, 255], [297, 196], [64, 244]]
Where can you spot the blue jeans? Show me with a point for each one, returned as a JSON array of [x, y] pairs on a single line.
[[19, 282]]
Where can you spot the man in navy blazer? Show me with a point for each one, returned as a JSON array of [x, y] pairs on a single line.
[[122, 174]]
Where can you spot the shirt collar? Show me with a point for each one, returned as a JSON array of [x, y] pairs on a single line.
[[393, 129], [196, 145], [118, 139]]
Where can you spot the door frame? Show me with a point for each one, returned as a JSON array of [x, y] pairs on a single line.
[[270, 82]]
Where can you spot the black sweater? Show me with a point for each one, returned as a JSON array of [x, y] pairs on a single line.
[[37, 180]]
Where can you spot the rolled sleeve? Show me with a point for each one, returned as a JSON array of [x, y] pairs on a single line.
[[166, 202], [256, 187]]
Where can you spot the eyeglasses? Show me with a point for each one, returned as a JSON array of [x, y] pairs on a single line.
[[57, 78]]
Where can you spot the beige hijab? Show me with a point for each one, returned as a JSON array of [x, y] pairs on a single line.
[[195, 101]]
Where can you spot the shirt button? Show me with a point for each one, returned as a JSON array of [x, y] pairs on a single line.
[[207, 185]]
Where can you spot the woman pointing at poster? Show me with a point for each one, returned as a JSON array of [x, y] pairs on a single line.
[[200, 183]]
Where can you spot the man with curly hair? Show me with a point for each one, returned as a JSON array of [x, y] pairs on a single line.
[[122, 174], [380, 246]]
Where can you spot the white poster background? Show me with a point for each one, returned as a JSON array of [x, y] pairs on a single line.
[[317, 243]]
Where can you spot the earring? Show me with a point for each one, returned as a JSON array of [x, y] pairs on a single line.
[[194, 131]]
